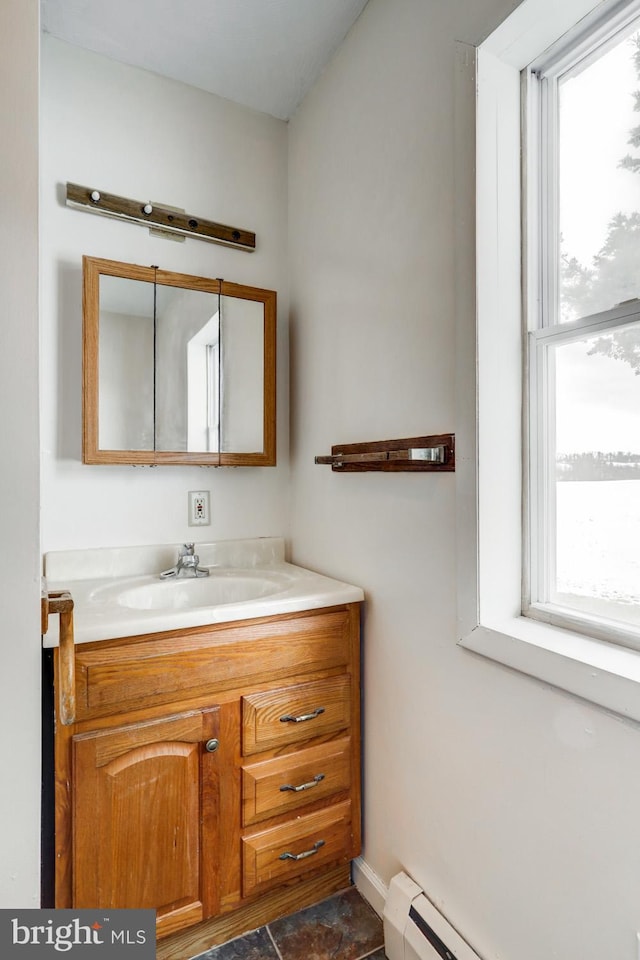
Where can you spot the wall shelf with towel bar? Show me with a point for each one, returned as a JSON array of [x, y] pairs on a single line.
[[430, 454]]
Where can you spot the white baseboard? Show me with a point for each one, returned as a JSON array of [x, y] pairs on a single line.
[[369, 884]]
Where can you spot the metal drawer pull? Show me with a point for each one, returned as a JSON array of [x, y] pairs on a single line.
[[303, 786], [289, 718], [306, 853]]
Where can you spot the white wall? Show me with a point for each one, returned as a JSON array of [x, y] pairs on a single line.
[[19, 509], [132, 133], [513, 804]]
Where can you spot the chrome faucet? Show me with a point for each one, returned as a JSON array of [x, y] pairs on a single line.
[[186, 565]]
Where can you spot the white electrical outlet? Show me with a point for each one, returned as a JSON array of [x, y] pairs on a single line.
[[199, 510]]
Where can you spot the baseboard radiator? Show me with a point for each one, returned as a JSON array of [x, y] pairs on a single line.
[[415, 930]]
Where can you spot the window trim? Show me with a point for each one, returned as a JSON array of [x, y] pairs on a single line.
[[489, 487]]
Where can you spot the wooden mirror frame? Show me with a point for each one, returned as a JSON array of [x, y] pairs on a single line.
[[92, 269]]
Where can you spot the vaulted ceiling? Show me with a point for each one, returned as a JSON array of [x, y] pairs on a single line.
[[265, 54]]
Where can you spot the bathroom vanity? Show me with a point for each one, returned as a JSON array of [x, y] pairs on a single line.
[[212, 768]]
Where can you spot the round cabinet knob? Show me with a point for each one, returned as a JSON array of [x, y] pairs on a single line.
[[212, 745]]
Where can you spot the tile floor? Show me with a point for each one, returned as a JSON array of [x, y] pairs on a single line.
[[343, 927]]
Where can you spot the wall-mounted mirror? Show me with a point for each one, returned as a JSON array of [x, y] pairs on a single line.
[[176, 369]]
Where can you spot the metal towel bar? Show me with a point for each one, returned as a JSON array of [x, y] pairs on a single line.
[[412, 455]]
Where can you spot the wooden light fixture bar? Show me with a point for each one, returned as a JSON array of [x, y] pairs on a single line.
[[430, 454], [152, 215]]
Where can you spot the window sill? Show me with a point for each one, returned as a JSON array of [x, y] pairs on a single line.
[[596, 671]]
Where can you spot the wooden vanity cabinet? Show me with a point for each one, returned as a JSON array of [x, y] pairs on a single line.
[[213, 773]]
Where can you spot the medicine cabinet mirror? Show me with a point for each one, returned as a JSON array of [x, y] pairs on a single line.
[[176, 369]]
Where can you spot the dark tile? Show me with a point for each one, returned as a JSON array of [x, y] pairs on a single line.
[[253, 946], [344, 927]]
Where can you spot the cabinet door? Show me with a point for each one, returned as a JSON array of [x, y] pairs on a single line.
[[145, 831]]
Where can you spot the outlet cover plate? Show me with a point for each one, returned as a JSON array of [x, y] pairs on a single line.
[[199, 508]]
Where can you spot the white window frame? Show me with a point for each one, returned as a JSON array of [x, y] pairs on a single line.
[[489, 487], [540, 96]]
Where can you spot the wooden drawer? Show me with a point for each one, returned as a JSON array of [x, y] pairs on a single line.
[[291, 714], [296, 848], [166, 667], [272, 787]]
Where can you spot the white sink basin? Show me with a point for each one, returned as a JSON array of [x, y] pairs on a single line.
[[212, 591], [117, 591]]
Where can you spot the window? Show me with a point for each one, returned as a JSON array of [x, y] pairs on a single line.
[[583, 314], [203, 387], [554, 642]]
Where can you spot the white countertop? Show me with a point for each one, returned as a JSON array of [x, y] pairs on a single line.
[[101, 581]]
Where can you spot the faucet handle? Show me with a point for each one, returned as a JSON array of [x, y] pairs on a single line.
[[187, 550]]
